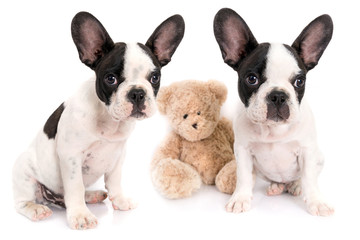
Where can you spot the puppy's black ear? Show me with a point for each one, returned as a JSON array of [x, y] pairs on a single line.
[[166, 38], [91, 39], [234, 37], [313, 40]]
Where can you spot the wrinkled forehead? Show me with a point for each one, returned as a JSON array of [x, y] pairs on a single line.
[[282, 64], [139, 62]]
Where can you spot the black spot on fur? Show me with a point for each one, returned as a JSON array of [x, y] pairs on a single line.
[[111, 64], [51, 125], [254, 64]]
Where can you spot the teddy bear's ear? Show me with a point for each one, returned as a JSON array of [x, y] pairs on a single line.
[[163, 98], [219, 89]]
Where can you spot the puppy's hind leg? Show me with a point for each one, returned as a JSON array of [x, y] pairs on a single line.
[[294, 187], [26, 190], [275, 189], [95, 196]]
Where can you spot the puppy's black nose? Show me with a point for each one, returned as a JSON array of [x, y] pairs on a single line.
[[136, 96], [278, 98]]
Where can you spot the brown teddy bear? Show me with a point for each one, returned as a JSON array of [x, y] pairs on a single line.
[[200, 146]]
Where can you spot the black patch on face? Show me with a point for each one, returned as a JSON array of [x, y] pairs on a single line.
[[112, 64], [157, 71], [252, 65], [50, 127]]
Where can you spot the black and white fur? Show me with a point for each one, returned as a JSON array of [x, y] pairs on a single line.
[[274, 127], [85, 137]]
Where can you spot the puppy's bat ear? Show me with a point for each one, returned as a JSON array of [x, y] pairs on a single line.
[[91, 38], [166, 38], [313, 40], [234, 37]]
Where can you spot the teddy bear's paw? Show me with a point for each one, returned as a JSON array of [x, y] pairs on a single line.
[[226, 178], [175, 179]]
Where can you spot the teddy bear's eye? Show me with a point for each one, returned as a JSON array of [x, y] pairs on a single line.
[[185, 116], [198, 113]]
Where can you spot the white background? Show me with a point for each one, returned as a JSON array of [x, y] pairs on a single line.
[[40, 69]]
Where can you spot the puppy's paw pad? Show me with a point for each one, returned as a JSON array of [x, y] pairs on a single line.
[[123, 204], [320, 209], [239, 205], [95, 196], [82, 221], [275, 189]]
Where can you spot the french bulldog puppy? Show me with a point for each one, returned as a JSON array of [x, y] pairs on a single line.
[[85, 137], [274, 126]]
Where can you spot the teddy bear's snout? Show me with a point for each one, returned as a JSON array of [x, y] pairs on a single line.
[[195, 125]]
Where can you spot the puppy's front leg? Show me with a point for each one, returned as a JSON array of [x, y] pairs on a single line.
[[113, 185], [78, 215], [240, 201], [312, 165]]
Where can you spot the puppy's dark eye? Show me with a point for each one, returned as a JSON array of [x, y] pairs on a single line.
[[185, 116], [299, 83], [111, 80], [252, 80], [155, 78]]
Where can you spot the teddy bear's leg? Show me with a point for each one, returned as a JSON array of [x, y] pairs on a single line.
[[175, 179], [226, 178]]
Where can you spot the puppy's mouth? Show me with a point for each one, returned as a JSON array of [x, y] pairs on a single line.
[[137, 112], [278, 114]]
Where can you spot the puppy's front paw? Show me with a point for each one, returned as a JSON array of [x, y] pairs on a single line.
[[239, 204], [82, 219], [123, 204], [319, 208]]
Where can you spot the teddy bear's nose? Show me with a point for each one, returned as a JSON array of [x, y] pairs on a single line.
[[194, 125]]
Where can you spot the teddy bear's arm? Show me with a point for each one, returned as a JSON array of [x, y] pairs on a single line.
[[170, 148], [226, 126]]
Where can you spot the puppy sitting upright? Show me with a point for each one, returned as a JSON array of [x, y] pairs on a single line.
[[274, 127], [85, 137]]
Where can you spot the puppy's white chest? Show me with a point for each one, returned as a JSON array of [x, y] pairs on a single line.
[[279, 162], [99, 159]]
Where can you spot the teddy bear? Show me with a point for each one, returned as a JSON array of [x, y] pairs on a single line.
[[199, 147]]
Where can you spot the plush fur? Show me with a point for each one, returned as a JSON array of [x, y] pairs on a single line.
[[200, 143]]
